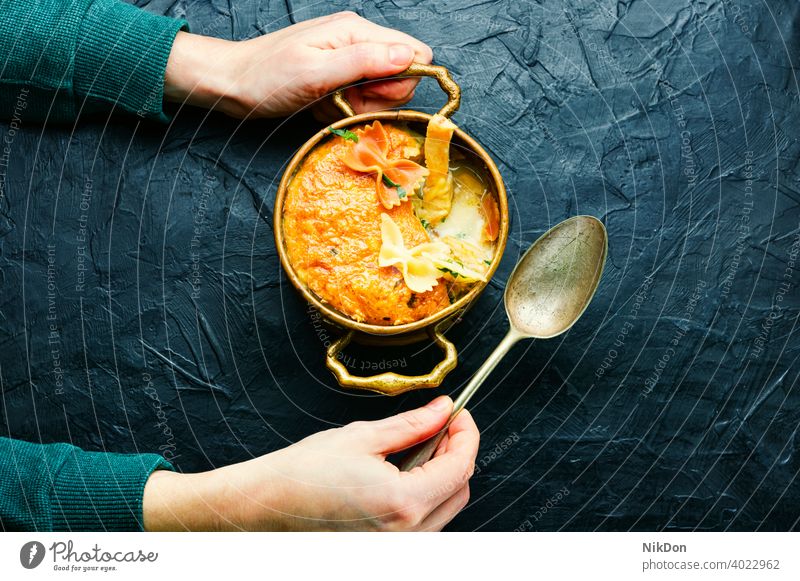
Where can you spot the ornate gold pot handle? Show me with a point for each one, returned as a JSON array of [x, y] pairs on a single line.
[[440, 73], [391, 383]]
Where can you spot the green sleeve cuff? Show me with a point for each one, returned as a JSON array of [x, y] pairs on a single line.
[[121, 57], [95, 491]]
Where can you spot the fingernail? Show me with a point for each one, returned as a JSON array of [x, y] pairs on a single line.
[[441, 403], [400, 54]]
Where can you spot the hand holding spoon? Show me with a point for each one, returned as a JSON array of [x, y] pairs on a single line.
[[548, 291]]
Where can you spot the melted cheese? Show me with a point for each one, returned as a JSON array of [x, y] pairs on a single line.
[[463, 229]]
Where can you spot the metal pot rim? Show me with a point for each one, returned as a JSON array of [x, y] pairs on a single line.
[[331, 313]]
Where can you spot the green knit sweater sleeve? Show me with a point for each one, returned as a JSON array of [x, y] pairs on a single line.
[[58, 487], [60, 59]]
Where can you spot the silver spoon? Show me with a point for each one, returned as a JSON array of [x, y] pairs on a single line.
[[548, 291]]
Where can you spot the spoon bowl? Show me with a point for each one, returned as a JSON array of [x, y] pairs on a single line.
[[556, 278], [548, 291]]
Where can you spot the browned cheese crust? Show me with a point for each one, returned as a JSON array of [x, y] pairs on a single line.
[[332, 228]]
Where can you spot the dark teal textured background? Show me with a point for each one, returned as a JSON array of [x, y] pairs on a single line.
[[673, 404]]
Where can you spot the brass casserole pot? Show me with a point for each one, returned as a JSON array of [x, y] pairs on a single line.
[[390, 383]]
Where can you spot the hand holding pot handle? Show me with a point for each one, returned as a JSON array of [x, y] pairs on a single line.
[[440, 73]]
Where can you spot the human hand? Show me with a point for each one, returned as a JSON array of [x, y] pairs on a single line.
[[338, 479], [280, 73]]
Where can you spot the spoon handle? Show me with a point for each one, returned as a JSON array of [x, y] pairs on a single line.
[[422, 452]]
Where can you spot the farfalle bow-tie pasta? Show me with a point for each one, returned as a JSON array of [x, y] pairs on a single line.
[[396, 179], [417, 264], [423, 265]]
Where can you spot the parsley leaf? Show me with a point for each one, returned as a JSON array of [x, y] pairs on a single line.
[[450, 272], [344, 133], [425, 223], [401, 192]]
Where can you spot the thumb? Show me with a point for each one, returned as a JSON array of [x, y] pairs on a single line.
[[406, 429], [369, 60]]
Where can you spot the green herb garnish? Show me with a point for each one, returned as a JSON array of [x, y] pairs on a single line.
[[401, 192], [344, 134], [487, 262], [450, 272], [425, 223]]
